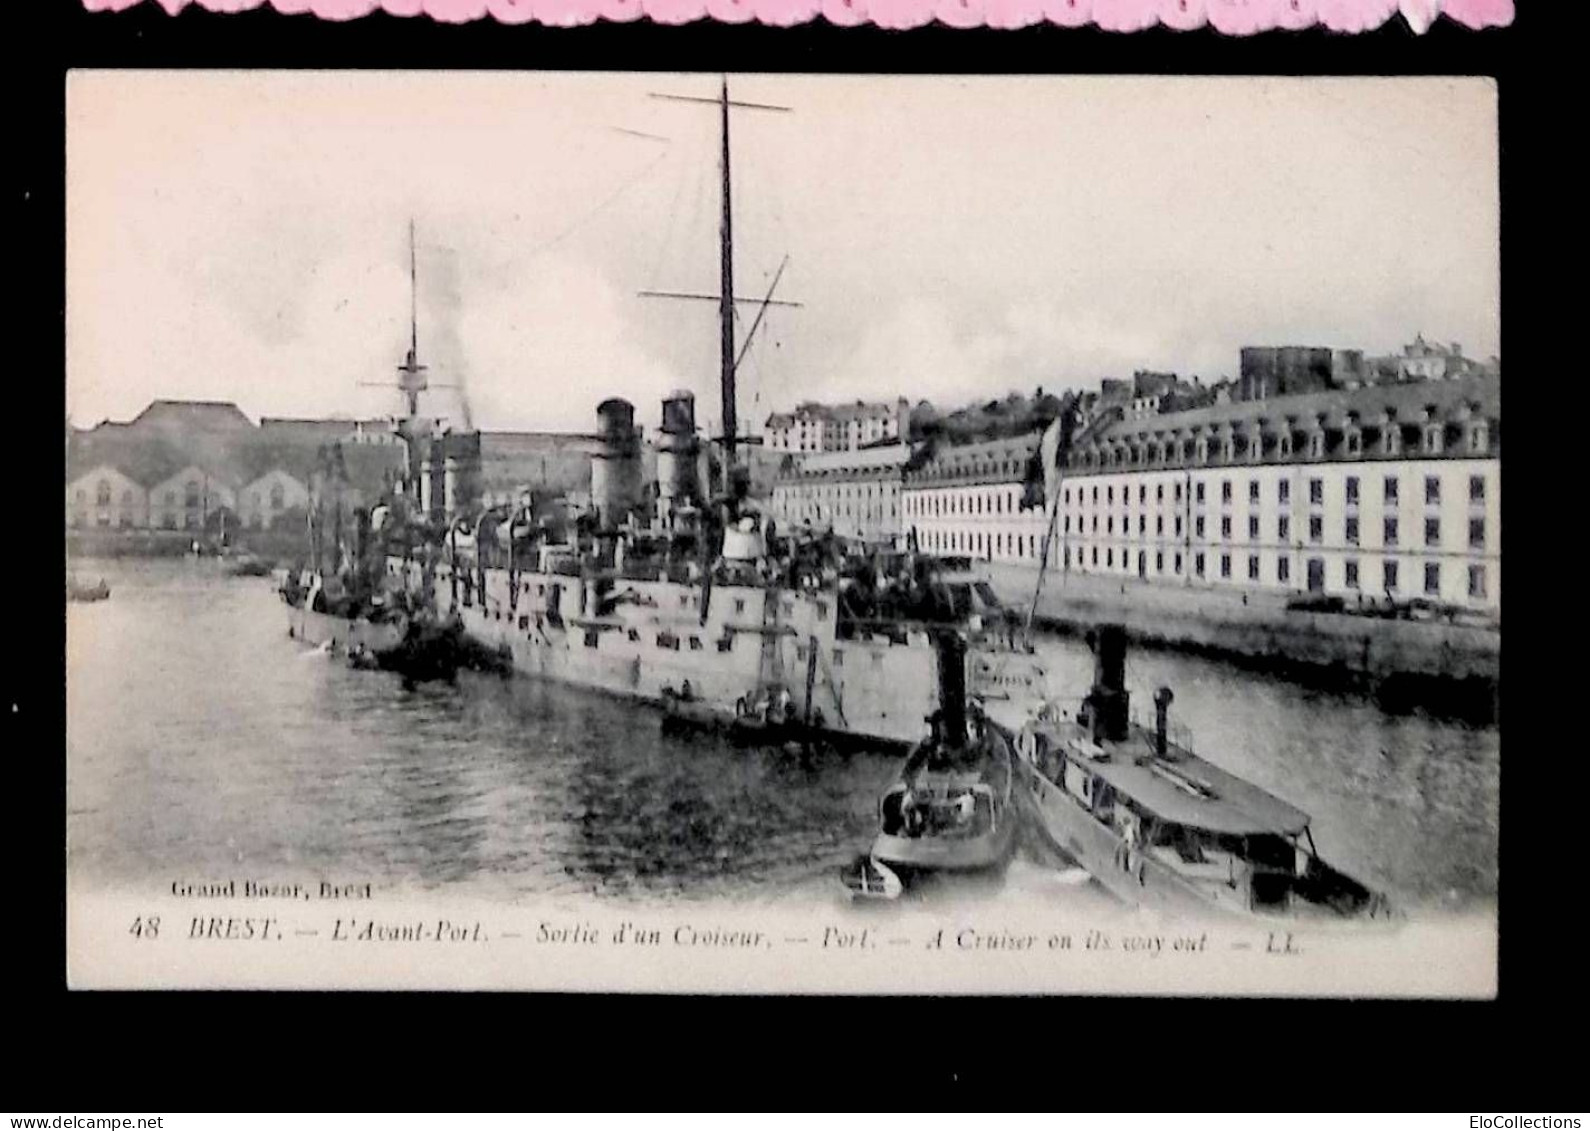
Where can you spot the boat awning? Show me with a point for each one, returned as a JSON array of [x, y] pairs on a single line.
[[1196, 794]]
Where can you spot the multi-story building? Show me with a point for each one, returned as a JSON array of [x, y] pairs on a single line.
[[814, 427], [1386, 492], [106, 496], [973, 499], [263, 501], [188, 499], [856, 494]]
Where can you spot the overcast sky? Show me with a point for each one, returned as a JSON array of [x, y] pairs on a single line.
[[244, 236]]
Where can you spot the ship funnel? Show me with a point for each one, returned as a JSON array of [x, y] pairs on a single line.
[[677, 449], [951, 651], [1162, 701], [615, 464], [1108, 702]]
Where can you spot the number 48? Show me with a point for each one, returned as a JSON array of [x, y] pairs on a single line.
[[145, 927]]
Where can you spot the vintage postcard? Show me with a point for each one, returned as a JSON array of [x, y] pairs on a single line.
[[783, 534]]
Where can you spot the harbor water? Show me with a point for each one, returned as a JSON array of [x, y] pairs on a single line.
[[202, 743]]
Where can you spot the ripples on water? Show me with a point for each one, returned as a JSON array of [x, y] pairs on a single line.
[[203, 743]]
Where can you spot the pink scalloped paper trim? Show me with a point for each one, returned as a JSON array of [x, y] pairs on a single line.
[[1231, 17]]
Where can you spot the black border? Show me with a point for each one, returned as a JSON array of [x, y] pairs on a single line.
[[272, 1050]]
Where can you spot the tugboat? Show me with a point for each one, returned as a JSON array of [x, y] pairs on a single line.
[[951, 807], [1160, 827]]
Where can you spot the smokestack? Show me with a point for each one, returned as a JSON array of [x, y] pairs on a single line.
[[952, 686], [1108, 701], [1162, 701]]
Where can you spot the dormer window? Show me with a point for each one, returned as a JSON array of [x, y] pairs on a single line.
[[1203, 449], [1355, 442], [1432, 439], [1479, 437], [1316, 444], [1283, 445]]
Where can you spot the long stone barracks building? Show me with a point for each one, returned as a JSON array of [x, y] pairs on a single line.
[[975, 500], [856, 494], [1384, 492]]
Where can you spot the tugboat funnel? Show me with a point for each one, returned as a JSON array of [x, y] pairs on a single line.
[[1108, 702], [1162, 701], [952, 687]]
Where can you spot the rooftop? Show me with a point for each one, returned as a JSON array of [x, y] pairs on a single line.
[[1408, 402]]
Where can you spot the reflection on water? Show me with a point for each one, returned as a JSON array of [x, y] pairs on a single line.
[[203, 743]]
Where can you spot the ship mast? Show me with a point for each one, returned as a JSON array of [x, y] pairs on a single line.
[[726, 299], [411, 374], [728, 360]]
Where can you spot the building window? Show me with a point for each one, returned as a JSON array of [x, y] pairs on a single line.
[[1159, 562], [1159, 492], [1476, 488], [102, 494], [1109, 559], [1178, 526], [1253, 490], [1253, 528], [1352, 531], [1316, 528], [1432, 577], [1159, 524], [1225, 527], [1198, 526], [1225, 565], [1198, 492], [1352, 490], [1391, 488], [1253, 567], [1390, 572], [1142, 524], [1316, 491], [1477, 533], [1142, 492], [1391, 532], [1178, 565], [1432, 489], [1109, 494], [1476, 581], [1225, 490], [1109, 524], [1198, 564], [1178, 492], [593, 638], [1095, 555], [1432, 532], [1283, 569], [1283, 527], [1352, 573], [1284, 487]]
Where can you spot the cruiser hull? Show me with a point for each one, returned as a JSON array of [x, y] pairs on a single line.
[[343, 634], [877, 692]]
